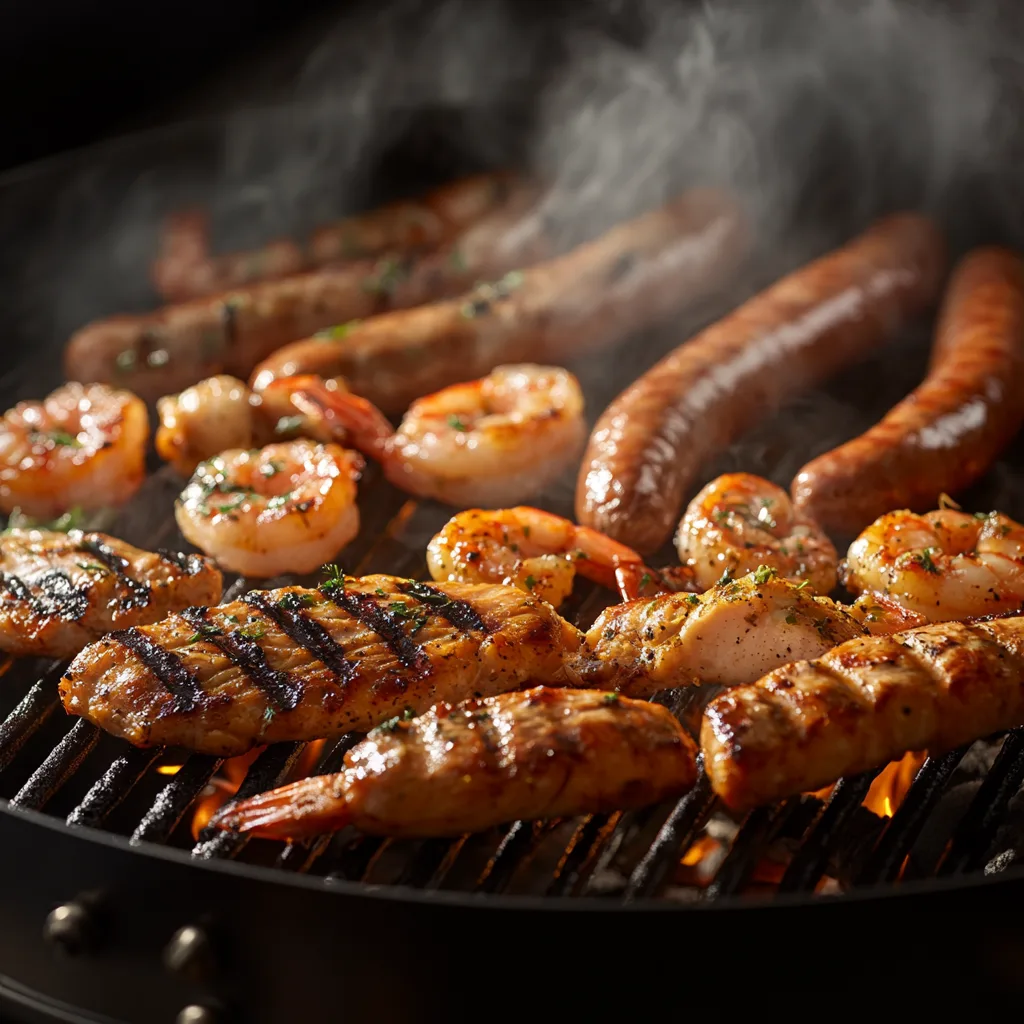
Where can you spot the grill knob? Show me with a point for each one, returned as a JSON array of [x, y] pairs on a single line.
[[196, 1014], [70, 927], [189, 954]]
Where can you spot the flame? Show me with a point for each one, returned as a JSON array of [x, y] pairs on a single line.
[[700, 849], [223, 786], [169, 769], [891, 785]]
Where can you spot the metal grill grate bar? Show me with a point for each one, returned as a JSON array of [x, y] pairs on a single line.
[[977, 829], [825, 834], [63, 761], [268, 770], [677, 834], [112, 787], [22, 723], [886, 860], [176, 798]]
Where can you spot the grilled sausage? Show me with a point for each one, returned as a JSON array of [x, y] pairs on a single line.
[[945, 434], [629, 279], [61, 591], [297, 664], [646, 449], [184, 268], [169, 349], [540, 753], [865, 703]]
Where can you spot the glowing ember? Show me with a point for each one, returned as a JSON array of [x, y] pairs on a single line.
[[169, 769], [700, 849]]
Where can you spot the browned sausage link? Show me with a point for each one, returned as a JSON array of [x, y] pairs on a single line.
[[947, 433], [599, 293], [165, 351], [648, 446], [865, 703], [184, 269]]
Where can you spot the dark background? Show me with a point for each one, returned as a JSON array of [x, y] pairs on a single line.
[[74, 71]]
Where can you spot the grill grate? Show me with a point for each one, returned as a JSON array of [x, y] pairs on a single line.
[[74, 771]]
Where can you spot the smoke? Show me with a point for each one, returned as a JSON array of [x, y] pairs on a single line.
[[820, 116]]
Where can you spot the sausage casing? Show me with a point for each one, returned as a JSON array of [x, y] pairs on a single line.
[[945, 434], [626, 280], [646, 449], [167, 350], [186, 270], [865, 703]]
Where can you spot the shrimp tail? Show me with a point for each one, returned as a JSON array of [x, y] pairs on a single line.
[[300, 810], [351, 417]]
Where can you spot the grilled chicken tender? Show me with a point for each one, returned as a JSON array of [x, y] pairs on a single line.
[[539, 753], [297, 664], [732, 634], [61, 591], [862, 705]]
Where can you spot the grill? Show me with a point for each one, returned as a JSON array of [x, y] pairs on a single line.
[[114, 911]]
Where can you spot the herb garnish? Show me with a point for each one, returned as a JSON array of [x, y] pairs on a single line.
[[692, 599], [91, 567], [611, 698], [253, 632], [293, 601], [288, 424], [531, 582], [457, 424], [763, 573], [338, 331]]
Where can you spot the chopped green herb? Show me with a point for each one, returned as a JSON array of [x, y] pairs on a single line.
[[60, 437], [338, 331], [644, 580], [726, 577], [791, 619], [381, 592], [426, 594], [611, 698], [581, 556], [91, 567], [692, 599], [271, 468], [984, 515], [457, 424], [288, 425], [531, 582], [763, 573], [233, 619], [805, 583], [334, 573], [293, 600], [253, 632], [206, 629], [526, 532], [399, 608], [390, 275]]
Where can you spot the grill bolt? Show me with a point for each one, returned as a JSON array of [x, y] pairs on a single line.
[[189, 954], [71, 927], [196, 1014]]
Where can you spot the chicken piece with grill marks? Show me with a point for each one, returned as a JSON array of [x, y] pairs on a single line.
[[864, 704], [297, 664], [61, 591], [539, 753]]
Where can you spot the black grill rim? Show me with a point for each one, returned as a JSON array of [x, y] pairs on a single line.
[[454, 899]]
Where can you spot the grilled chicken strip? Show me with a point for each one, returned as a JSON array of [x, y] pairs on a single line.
[[61, 591], [296, 664], [862, 705], [540, 753], [732, 634]]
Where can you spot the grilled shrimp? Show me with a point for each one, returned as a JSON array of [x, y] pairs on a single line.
[[740, 521], [493, 441], [534, 550], [936, 567], [81, 446], [283, 508], [222, 412]]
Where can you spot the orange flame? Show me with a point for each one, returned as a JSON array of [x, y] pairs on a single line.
[[223, 786], [891, 784]]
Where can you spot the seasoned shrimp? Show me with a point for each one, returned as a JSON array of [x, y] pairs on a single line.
[[493, 441], [740, 521], [536, 551], [81, 446], [284, 508], [221, 412], [940, 566]]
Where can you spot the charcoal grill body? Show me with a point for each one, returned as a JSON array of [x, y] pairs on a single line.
[[275, 945]]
